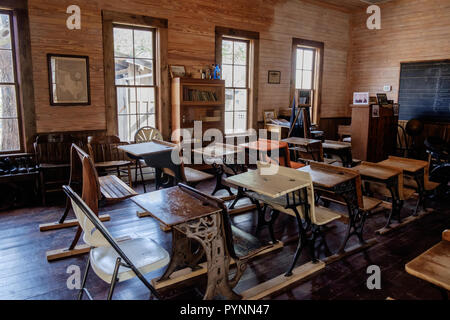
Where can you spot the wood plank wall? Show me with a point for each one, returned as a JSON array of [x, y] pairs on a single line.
[[411, 30], [191, 43]]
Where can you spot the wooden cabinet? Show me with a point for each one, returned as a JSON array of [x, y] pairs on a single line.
[[198, 100], [373, 138]]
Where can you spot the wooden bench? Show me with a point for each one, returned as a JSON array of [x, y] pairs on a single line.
[[114, 189]]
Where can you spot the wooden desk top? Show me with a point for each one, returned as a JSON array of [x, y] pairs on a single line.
[[336, 145], [146, 148], [264, 145], [327, 176], [376, 171], [304, 142], [173, 206], [433, 265], [273, 186], [218, 150], [408, 165]]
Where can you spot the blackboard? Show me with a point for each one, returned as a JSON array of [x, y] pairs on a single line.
[[425, 91]]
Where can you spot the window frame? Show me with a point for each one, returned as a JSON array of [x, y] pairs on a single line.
[[247, 81], [313, 70], [16, 82], [253, 68], [155, 75], [317, 75]]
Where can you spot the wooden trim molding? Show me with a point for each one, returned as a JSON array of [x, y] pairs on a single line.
[[161, 71], [319, 62], [253, 37]]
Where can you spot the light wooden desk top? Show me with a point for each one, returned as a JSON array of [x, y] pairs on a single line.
[[409, 165], [433, 265], [304, 142], [218, 150], [376, 171], [273, 186], [326, 176], [264, 145], [337, 145], [146, 148], [173, 206]]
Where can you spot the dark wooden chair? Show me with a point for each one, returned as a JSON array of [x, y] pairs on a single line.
[[98, 190], [107, 157], [53, 158]]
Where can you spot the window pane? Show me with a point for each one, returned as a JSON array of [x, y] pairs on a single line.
[[240, 103], [123, 42], [124, 71], [126, 100], [308, 60], [240, 76], [228, 122], [298, 79], [5, 32], [227, 52], [144, 72], [240, 121], [9, 135], [240, 53], [299, 63], [124, 132], [146, 100], [8, 103], [227, 75], [6, 66], [229, 96], [143, 44], [307, 80]]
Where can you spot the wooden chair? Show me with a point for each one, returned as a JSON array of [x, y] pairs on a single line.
[[106, 189], [53, 158], [241, 246], [110, 261], [106, 156], [285, 159], [144, 134]]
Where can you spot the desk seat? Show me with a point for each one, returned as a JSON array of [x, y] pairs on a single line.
[[114, 189], [381, 189], [112, 164], [429, 185], [195, 176], [246, 244]]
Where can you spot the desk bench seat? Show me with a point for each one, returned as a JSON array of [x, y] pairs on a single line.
[[114, 189]]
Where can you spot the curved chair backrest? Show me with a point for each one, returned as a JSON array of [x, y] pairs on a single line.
[[53, 148], [147, 134], [104, 148], [99, 235]]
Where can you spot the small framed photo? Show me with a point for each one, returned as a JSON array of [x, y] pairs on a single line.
[[375, 111], [274, 77], [177, 71], [382, 98], [360, 98], [68, 78], [396, 109], [269, 115]]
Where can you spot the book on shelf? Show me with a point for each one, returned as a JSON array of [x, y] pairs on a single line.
[[199, 95]]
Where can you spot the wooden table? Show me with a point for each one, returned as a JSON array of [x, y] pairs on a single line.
[[310, 146], [390, 178], [284, 183], [434, 265], [341, 149], [414, 168], [192, 219], [346, 184], [260, 149], [157, 154], [221, 155]]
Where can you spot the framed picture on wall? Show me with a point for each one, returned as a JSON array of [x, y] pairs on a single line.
[[274, 77], [382, 98], [68, 80]]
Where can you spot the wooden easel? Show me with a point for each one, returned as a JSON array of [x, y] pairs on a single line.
[[304, 111]]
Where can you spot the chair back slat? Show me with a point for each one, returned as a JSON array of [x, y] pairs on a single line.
[[105, 148], [53, 149]]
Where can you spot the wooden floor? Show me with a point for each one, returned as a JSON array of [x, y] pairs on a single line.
[[26, 274]]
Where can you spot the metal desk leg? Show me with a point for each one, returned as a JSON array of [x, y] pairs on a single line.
[[419, 178], [397, 204], [219, 185]]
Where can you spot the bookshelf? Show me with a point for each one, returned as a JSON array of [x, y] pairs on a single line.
[[198, 100]]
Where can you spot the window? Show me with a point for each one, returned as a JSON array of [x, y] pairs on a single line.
[[9, 111], [235, 73], [304, 68], [134, 60]]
